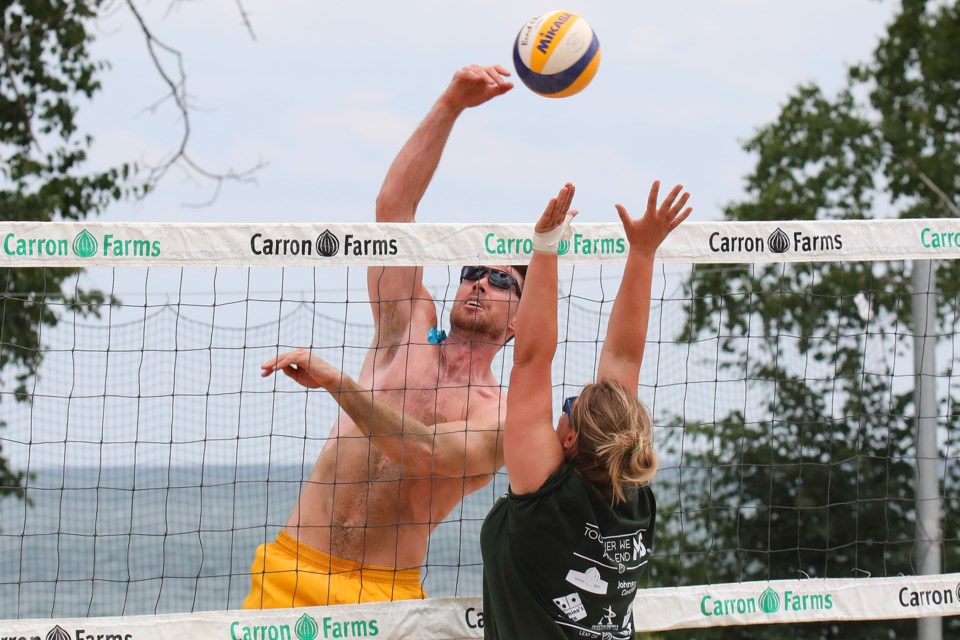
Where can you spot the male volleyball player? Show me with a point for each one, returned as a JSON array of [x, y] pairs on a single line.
[[393, 469]]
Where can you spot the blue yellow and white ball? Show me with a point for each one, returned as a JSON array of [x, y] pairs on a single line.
[[556, 54]]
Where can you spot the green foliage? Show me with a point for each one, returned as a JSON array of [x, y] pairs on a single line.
[[45, 74], [814, 477], [916, 73]]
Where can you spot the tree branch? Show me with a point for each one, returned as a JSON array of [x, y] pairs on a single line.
[[944, 198], [245, 16], [177, 85]]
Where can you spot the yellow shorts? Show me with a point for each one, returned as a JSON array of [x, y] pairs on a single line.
[[286, 573]]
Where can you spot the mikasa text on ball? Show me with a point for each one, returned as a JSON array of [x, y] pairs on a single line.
[[556, 54]]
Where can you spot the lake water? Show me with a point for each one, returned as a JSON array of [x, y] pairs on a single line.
[[126, 541]]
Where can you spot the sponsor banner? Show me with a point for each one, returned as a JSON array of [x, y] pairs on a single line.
[[433, 618], [794, 601], [105, 244], [781, 601]]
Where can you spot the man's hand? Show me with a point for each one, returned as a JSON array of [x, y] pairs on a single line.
[[306, 368], [474, 85]]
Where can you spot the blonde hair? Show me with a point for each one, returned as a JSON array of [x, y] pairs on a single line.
[[614, 446]]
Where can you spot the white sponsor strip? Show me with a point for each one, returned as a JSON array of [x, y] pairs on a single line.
[[780, 601], [458, 618], [794, 601], [157, 244]]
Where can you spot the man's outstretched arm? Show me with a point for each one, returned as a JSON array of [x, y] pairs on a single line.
[[448, 449]]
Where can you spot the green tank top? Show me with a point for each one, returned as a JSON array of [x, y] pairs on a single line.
[[561, 562]]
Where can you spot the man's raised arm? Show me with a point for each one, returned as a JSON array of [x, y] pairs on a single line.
[[393, 289], [410, 174]]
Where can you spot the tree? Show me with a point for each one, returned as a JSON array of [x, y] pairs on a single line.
[[46, 74], [815, 477], [46, 70]]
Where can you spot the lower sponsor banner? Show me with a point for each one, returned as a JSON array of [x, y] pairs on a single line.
[[781, 601], [432, 618], [795, 601]]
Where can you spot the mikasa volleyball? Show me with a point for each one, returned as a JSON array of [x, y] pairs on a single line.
[[556, 54]]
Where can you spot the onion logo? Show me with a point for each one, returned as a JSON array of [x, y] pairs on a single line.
[[58, 632], [306, 628], [84, 245], [778, 241], [327, 244], [769, 601]]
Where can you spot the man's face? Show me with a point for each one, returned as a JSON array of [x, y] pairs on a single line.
[[487, 301]]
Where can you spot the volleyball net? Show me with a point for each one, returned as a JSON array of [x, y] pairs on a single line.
[[803, 378]]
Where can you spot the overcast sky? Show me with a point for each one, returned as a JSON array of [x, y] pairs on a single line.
[[328, 91]]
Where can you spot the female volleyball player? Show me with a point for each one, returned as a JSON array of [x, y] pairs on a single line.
[[563, 551]]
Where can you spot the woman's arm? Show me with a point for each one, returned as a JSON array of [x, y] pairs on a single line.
[[626, 336], [531, 448]]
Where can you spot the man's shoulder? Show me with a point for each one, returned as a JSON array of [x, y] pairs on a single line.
[[487, 402]]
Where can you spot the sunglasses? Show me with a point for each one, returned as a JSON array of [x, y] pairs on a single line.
[[498, 278], [568, 408]]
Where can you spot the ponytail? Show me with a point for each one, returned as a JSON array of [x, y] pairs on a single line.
[[614, 439]]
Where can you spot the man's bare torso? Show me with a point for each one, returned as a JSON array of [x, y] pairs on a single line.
[[358, 504]]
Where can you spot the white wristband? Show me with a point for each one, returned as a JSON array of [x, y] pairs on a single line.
[[549, 241]]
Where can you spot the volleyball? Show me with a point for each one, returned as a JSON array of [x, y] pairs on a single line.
[[556, 54]]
